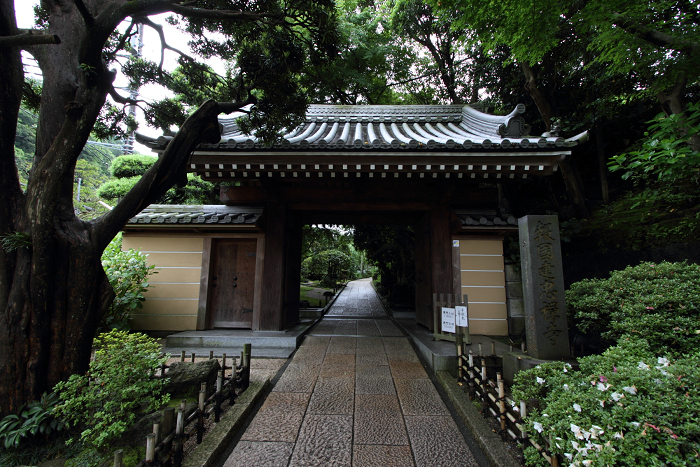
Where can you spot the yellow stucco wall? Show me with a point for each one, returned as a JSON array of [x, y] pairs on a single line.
[[483, 281], [171, 304]]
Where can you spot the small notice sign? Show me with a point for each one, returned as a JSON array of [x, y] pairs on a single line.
[[448, 320], [455, 243], [462, 318]]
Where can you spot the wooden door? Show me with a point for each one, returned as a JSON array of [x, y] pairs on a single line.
[[232, 283]]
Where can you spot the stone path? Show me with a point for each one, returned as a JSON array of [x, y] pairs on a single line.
[[354, 394]]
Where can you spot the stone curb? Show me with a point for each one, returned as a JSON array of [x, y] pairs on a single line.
[[489, 442], [207, 453]]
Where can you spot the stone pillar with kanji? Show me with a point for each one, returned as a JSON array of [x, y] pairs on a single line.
[[543, 288]]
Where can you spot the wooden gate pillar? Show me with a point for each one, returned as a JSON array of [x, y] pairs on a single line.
[[434, 271], [293, 234], [273, 277]]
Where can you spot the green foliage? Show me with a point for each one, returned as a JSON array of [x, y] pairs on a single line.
[[14, 240], [132, 165], [117, 388], [327, 265], [128, 273], [659, 302], [196, 191], [625, 407], [666, 151], [36, 418]]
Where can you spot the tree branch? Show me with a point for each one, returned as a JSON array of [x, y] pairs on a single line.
[[224, 14], [87, 17], [655, 37], [29, 37], [201, 126], [163, 43]]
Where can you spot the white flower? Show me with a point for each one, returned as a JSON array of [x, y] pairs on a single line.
[[631, 389], [586, 434], [587, 462], [577, 407], [602, 403], [619, 435], [602, 387], [566, 387], [663, 361], [575, 445], [576, 431], [643, 366], [596, 431], [538, 426], [569, 456], [540, 380], [636, 424], [616, 396]]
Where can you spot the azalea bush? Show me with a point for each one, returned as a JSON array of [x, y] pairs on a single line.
[[659, 302], [627, 406]]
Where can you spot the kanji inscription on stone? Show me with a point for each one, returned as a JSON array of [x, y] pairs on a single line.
[[543, 287]]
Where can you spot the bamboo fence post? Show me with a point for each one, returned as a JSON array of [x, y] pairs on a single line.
[[193, 357], [217, 397], [523, 426], [232, 384], [480, 351], [200, 412], [211, 355], [150, 448], [502, 404], [179, 437], [118, 457], [246, 377], [472, 375], [553, 459], [223, 363], [484, 389], [156, 431], [182, 356], [167, 426], [493, 348], [460, 352]]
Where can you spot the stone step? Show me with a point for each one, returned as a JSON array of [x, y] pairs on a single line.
[[201, 342]]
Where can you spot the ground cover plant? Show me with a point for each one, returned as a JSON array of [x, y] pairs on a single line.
[[659, 302], [627, 406]]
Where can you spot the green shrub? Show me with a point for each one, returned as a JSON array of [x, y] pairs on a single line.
[[128, 273], [326, 265], [132, 165], [659, 302], [117, 188], [34, 419], [625, 407], [117, 388]]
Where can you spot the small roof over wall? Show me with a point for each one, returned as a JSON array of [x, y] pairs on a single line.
[[434, 141], [207, 215]]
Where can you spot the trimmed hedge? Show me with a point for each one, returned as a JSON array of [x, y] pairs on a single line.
[[658, 302]]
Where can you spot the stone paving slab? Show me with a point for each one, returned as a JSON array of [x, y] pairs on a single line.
[[324, 440], [279, 418], [355, 393], [436, 441], [260, 454], [381, 456]]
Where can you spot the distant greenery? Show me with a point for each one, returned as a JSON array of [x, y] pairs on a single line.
[[127, 171], [657, 302], [666, 154]]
